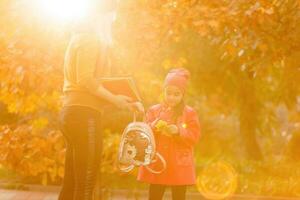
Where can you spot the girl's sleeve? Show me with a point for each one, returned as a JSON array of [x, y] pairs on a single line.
[[151, 118], [189, 131]]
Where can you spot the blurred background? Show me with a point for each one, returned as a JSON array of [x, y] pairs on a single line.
[[244, 57]]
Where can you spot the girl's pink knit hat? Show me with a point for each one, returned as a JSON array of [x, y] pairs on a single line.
[[178, 77]]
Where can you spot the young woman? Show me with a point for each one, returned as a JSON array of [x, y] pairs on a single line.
[[85, 62], [177, 129]]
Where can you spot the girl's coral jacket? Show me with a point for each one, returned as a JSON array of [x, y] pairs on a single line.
[[177, 150]]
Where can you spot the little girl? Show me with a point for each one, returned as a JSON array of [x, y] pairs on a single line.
[[176, 128]]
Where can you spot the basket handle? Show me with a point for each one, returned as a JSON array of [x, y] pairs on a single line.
[[163, 163], [125, 168], [135, 117]]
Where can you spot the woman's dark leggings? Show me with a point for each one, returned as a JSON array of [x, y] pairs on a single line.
[[82, 131], [156, 192]]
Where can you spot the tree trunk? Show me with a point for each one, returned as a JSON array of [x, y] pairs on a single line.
[[248, 118]]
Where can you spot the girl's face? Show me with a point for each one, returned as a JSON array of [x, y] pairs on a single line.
[[173, 95]]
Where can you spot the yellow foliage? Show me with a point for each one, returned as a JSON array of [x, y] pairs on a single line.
[[40, 122]]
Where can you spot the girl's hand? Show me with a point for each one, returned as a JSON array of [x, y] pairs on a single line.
[[165, 129], [161, 125], [173, 129]]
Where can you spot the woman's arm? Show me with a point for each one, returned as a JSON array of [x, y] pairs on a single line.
[[86, 60]]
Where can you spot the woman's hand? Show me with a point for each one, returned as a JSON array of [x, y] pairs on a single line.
[[125, 102], [138, 107], [122, 102]]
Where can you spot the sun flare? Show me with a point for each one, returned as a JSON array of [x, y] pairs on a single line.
[[64, 10]]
